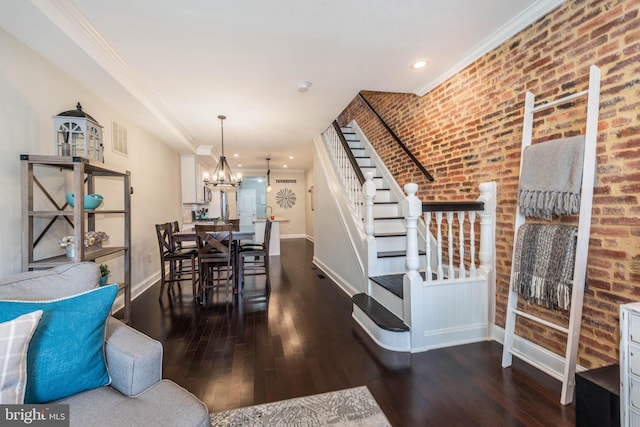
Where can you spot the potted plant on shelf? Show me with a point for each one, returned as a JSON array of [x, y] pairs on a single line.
[[104, 274]]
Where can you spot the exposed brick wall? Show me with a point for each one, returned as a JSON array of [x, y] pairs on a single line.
[[468, 130]]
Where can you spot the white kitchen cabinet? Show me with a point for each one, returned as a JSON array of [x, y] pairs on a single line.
[[193, 188], [630, 364]]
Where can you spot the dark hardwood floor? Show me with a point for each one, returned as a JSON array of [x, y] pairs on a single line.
[[302, 340]]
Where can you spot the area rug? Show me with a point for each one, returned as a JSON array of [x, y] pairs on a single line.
[[351, 407]]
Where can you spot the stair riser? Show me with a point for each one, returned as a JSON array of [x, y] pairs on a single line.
[[355, 145], [386, 210], [389, 226], [395, 243], [396, 341], [383, 196], [395, 265], [369, 169], [350, 136], [358, 152], [364, 161], [390, 301], [379, 182]]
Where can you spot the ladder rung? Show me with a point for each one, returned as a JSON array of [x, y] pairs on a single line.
[[559, 101], [542, 321]]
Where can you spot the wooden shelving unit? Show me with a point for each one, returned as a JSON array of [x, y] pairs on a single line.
[[85, 179]]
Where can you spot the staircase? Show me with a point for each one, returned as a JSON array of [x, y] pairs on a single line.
[[380, 311]]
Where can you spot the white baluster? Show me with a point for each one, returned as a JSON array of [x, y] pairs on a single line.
[[472, 244], [427, 221], [439, 225], [411, 209], [462, 273], [452, 273]]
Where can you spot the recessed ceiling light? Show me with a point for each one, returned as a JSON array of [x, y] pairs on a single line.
[[290, 157], [236, 155], [421, 63], [284, 166], [239, 165], [303, 86]]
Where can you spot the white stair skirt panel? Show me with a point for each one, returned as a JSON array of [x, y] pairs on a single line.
[[396, 341]]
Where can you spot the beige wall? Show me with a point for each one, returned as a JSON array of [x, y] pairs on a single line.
[[32, 90], [296, 213]]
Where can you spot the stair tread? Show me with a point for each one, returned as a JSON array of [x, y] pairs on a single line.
[[387, 217], [391, 282], [379, 314], [385, 203], [394, 254], [394, 282], [390, 234]]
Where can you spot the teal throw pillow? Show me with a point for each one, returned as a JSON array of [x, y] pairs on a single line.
[[66, 352]]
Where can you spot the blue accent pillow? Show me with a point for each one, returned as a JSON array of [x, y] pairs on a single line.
[[66, 352]]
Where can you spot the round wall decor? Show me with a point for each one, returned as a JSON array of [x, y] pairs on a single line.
[[286, 198]]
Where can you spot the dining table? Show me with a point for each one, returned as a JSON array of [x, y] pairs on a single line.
[[241, 232]]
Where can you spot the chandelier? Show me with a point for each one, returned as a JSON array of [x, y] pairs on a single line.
[[223, 176]]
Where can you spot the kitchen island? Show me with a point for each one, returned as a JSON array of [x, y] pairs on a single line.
[[274, 244]]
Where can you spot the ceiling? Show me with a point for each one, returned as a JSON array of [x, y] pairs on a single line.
[[174, 66]]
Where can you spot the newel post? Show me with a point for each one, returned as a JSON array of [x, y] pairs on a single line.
[[412, 281], [487, 219], [369, 192], [486, 253], [412, 209]]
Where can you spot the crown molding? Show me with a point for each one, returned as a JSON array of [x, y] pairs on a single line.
[[66, 16], [531, 14]]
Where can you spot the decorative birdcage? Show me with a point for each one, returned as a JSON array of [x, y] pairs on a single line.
[[77, 134]]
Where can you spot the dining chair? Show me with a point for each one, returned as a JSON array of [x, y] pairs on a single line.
[[175, 228], [215, 256], [182, 261], [254, 258]]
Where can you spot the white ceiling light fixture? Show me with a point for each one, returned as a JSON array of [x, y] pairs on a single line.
[[303, 86], [223, 176], [421, 63]]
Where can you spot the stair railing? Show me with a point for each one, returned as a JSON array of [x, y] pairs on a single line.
[[346, 166], [457, 214], [396, 138]]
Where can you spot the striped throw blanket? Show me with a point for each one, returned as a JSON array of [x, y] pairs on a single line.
[[543, 264]]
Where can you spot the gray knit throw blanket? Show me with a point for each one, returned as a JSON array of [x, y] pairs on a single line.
[[543, 264], [551, 178]]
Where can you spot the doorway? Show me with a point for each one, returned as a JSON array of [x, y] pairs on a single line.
[[247, 206]]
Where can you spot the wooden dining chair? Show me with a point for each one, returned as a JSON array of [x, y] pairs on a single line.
[[215, 258], [181, 261], [254, 258]]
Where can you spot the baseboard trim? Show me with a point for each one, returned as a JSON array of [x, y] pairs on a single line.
[[136, 290], [342, 284]]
